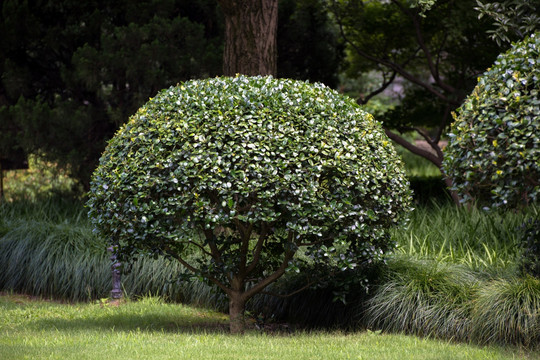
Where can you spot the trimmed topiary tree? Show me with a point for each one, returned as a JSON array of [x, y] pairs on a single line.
[[240, 179], [493, 156]]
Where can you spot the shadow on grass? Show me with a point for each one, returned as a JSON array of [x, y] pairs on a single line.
[[149, 322], [150, 317], [42, 315]]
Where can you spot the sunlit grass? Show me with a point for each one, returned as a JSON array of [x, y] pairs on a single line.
[[473, 237], [151, 329]]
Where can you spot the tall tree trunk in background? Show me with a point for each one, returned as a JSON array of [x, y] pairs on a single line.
[[250, 37]]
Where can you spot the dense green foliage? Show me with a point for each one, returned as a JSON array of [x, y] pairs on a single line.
[[42, 179], [73, 71], [530, 245], [494, 152], [257, 175]]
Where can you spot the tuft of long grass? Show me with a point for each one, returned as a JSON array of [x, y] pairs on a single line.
[[507, 311], [53, 260], [450, 301], [48, 249], [426, 298], [55, 209], [160, 277]]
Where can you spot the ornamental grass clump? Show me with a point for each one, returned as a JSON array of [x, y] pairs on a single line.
[[493, 156], [427, 298], [507, 311], [241, 179]]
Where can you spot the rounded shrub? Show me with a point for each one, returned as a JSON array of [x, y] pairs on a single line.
[[493, 156], [245, 171]]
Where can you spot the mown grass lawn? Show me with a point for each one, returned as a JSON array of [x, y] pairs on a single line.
[[151, 329]]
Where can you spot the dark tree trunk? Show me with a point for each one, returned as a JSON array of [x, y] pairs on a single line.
[[237, 306], [250, 37]]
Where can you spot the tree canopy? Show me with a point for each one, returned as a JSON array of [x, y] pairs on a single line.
[[435, 54]]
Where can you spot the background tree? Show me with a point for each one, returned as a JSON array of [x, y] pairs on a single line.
[[309, 45], [72, 71], [250, 37], [513, 19], [436, 55]]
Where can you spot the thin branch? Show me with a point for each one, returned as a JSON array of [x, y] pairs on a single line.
[[284, 296], [308, 284], [397, 68], [216, 254], [434, 145], [195, 270], [289, 254], [313, 242], [439, 51], [258, 249], [198, 246], [433, 69], [244, 249], [442, 124], [241, 228], [413, 148], [394, 66], [383, 87]]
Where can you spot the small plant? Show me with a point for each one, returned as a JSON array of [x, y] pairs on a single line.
[[493, 156], [530, 257], [257, 175]]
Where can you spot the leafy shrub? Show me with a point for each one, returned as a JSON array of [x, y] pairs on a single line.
[[530, 256], [41, 180], [494, 152], [247, 171]]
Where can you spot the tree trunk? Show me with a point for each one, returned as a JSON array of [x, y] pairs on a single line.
[[449, 184], [237, 306], [250, 37]]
